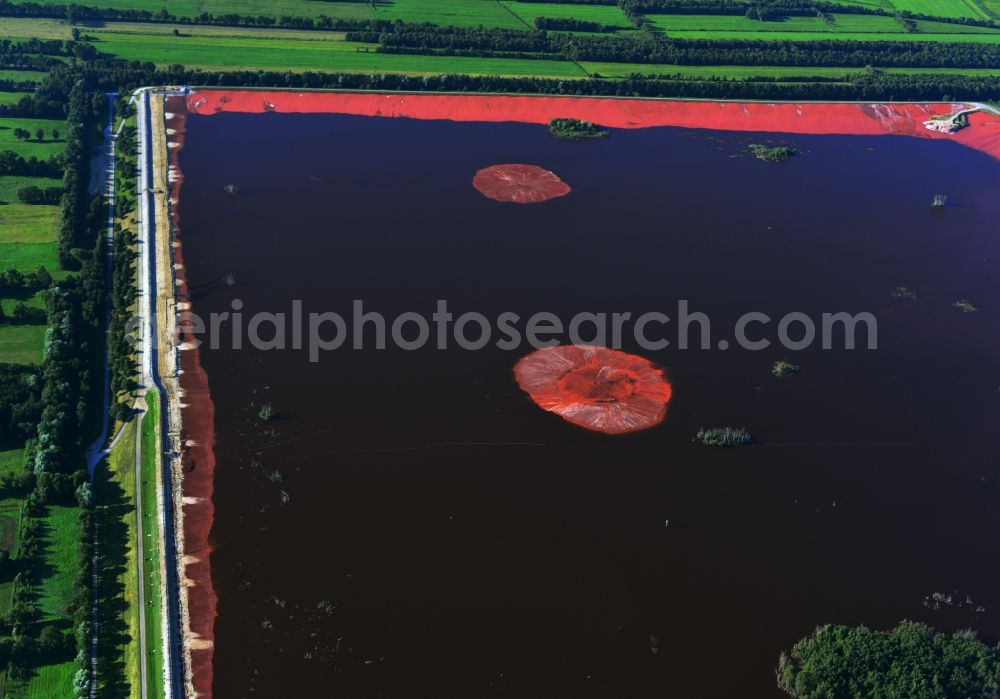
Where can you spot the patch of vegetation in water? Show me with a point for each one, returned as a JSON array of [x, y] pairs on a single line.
[[903, 292], [575, 130], [772, 154], [723, 437], [844, 661], [783, 368], [965, 306]]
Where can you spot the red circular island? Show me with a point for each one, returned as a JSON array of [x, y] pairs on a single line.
[[594, 387], [519, 184]]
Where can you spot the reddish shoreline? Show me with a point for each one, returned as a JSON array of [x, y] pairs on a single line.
[[803, 118], [198, 436]]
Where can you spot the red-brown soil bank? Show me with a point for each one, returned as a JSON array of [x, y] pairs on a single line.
[[809, 118], [198, 423]]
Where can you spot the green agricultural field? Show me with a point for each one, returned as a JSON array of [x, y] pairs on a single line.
[[10, 516], [806, 73], [41, 149], [21, 75], [735, 23], [844, 26], [604, 14], [11, 460], [28, 223], [114, 487], [150, 528], [270, 8], [18, 28], [285, 54], [463, 13], [456, 12], [26, 257], [22, 344], [50, 682], [939, 8], [7, 98], [60, 533], [36, 300], [212, 31], [9, 186], [873, 4], [971, 37]]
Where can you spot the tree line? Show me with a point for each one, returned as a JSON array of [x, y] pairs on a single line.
[[646, 48], [55, 405]]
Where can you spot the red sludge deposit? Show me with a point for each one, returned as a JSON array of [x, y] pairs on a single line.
[[519, 184], [594, 387], [869, 118]]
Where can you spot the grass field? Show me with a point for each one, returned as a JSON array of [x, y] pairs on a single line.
[[270, 8], [22, 344], [7, 98], [939, 8], [27, 237], [27, 256], [40, 149], [19, 75], [11, 460], [150, 526], [609, 15], [455, 12], [28, 223], [621, 70], [60, 533], [845, 27], [51, 682], [970, 37], [737, 23], [59, 564], [36, 300], [292, 54], [115, 491], [463, 13], [10, 509], [10, 184]]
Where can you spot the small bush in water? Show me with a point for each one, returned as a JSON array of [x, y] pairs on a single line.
[[776, 154], [723, 437], [782, 369]]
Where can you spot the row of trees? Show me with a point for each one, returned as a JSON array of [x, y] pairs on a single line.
[[867, 84], [13, 164], [24, 134], [123, 288], [20, 402], [14, 280], [54, 404], [649, 48]]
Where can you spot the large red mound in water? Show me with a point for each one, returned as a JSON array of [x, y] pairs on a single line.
[[520, 184], [594, 387], [871, 118]]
